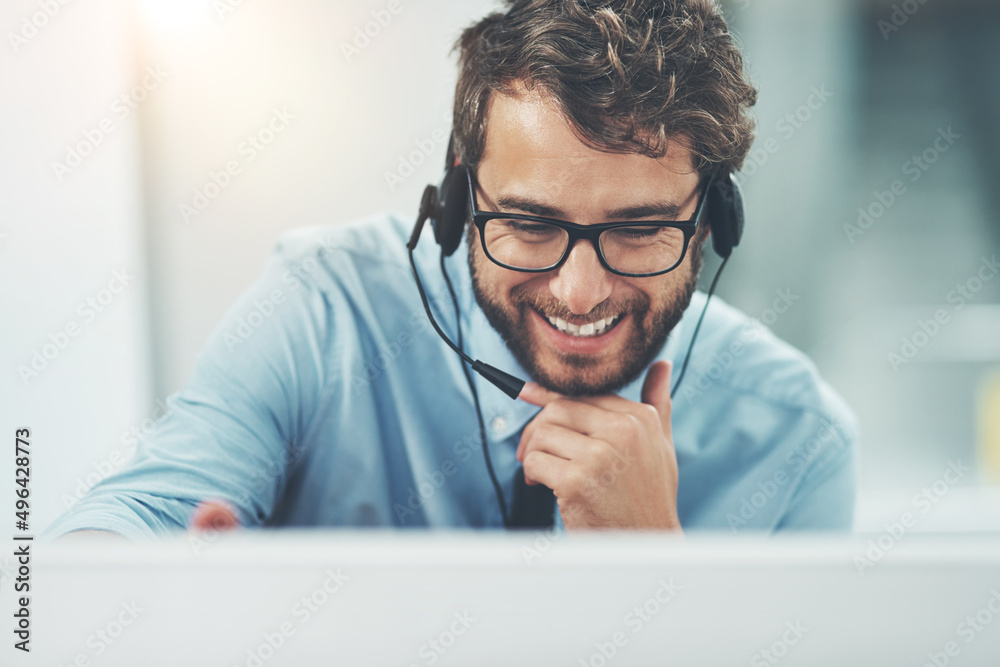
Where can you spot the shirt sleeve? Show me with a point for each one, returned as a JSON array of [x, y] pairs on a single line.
[[236, 427], [826, 495]]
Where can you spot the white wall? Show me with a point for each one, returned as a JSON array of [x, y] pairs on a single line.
[[62, 239], [217, 80], [210, 81], [355, 116]]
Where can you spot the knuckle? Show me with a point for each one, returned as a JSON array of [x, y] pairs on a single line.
[[577, 482], [545, 432], [621, 421], [651, 413], [596, 451], [631, 425], [532, 460], [556, 409]]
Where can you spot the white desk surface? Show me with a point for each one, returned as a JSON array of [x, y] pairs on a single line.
[[426, 598]]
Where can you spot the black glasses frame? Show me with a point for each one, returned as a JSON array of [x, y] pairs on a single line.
[[588, 232]]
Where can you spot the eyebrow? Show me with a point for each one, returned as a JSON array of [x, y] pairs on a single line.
[[663, 210]]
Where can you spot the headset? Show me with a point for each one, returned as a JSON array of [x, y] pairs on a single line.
[[447, 208]]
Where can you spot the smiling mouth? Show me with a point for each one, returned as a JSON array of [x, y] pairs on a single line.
[[588, 330]]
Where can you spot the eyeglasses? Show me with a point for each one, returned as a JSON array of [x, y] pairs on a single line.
[[534, 244]]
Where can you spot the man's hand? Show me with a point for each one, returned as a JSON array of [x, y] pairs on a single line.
[[609, 461], [213, 515]]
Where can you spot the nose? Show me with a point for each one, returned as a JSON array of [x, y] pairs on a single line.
[[581, 282]]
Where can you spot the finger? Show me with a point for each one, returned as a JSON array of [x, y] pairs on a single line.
[[556, 440], [656, 391], [544, 468], [582, 418], [536, 394], [214, 515]]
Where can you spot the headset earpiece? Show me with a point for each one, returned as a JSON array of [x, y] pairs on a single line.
[[451, 211], [428, 203], [725, 214]]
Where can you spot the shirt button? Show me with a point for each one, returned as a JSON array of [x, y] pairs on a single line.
[[498, 424]]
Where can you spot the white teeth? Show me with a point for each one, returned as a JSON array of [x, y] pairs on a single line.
[[582, 331]]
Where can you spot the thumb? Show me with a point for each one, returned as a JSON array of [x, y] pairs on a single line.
[[656, 391], [214, 515]]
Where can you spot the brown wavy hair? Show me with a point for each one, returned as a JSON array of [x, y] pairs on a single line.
[[629, 75]]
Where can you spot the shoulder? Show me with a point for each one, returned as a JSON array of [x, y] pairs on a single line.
[[379, 238], [739, 359], [355, 278], [364, 259]]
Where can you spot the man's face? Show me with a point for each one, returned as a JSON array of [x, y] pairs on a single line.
[[534, 164]]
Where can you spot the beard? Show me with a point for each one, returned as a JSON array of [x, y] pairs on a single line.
[[583, 374]]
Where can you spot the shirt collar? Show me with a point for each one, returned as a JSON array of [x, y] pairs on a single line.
[[505, 417]]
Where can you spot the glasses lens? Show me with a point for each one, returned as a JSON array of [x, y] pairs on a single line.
[[524, 244], [642, 249]]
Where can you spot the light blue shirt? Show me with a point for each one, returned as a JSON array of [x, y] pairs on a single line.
[[324, 398]]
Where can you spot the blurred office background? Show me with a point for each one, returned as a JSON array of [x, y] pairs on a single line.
[[851, 92]]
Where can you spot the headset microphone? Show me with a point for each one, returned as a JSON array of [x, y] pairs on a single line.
[[506, 382], [430, 208]]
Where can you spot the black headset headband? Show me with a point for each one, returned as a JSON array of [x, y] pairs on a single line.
[[447, 207]]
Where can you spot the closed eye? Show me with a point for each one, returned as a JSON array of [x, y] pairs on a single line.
[[527, 228], [636, 233]]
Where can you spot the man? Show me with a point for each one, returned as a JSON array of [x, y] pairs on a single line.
[[340, 406]]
